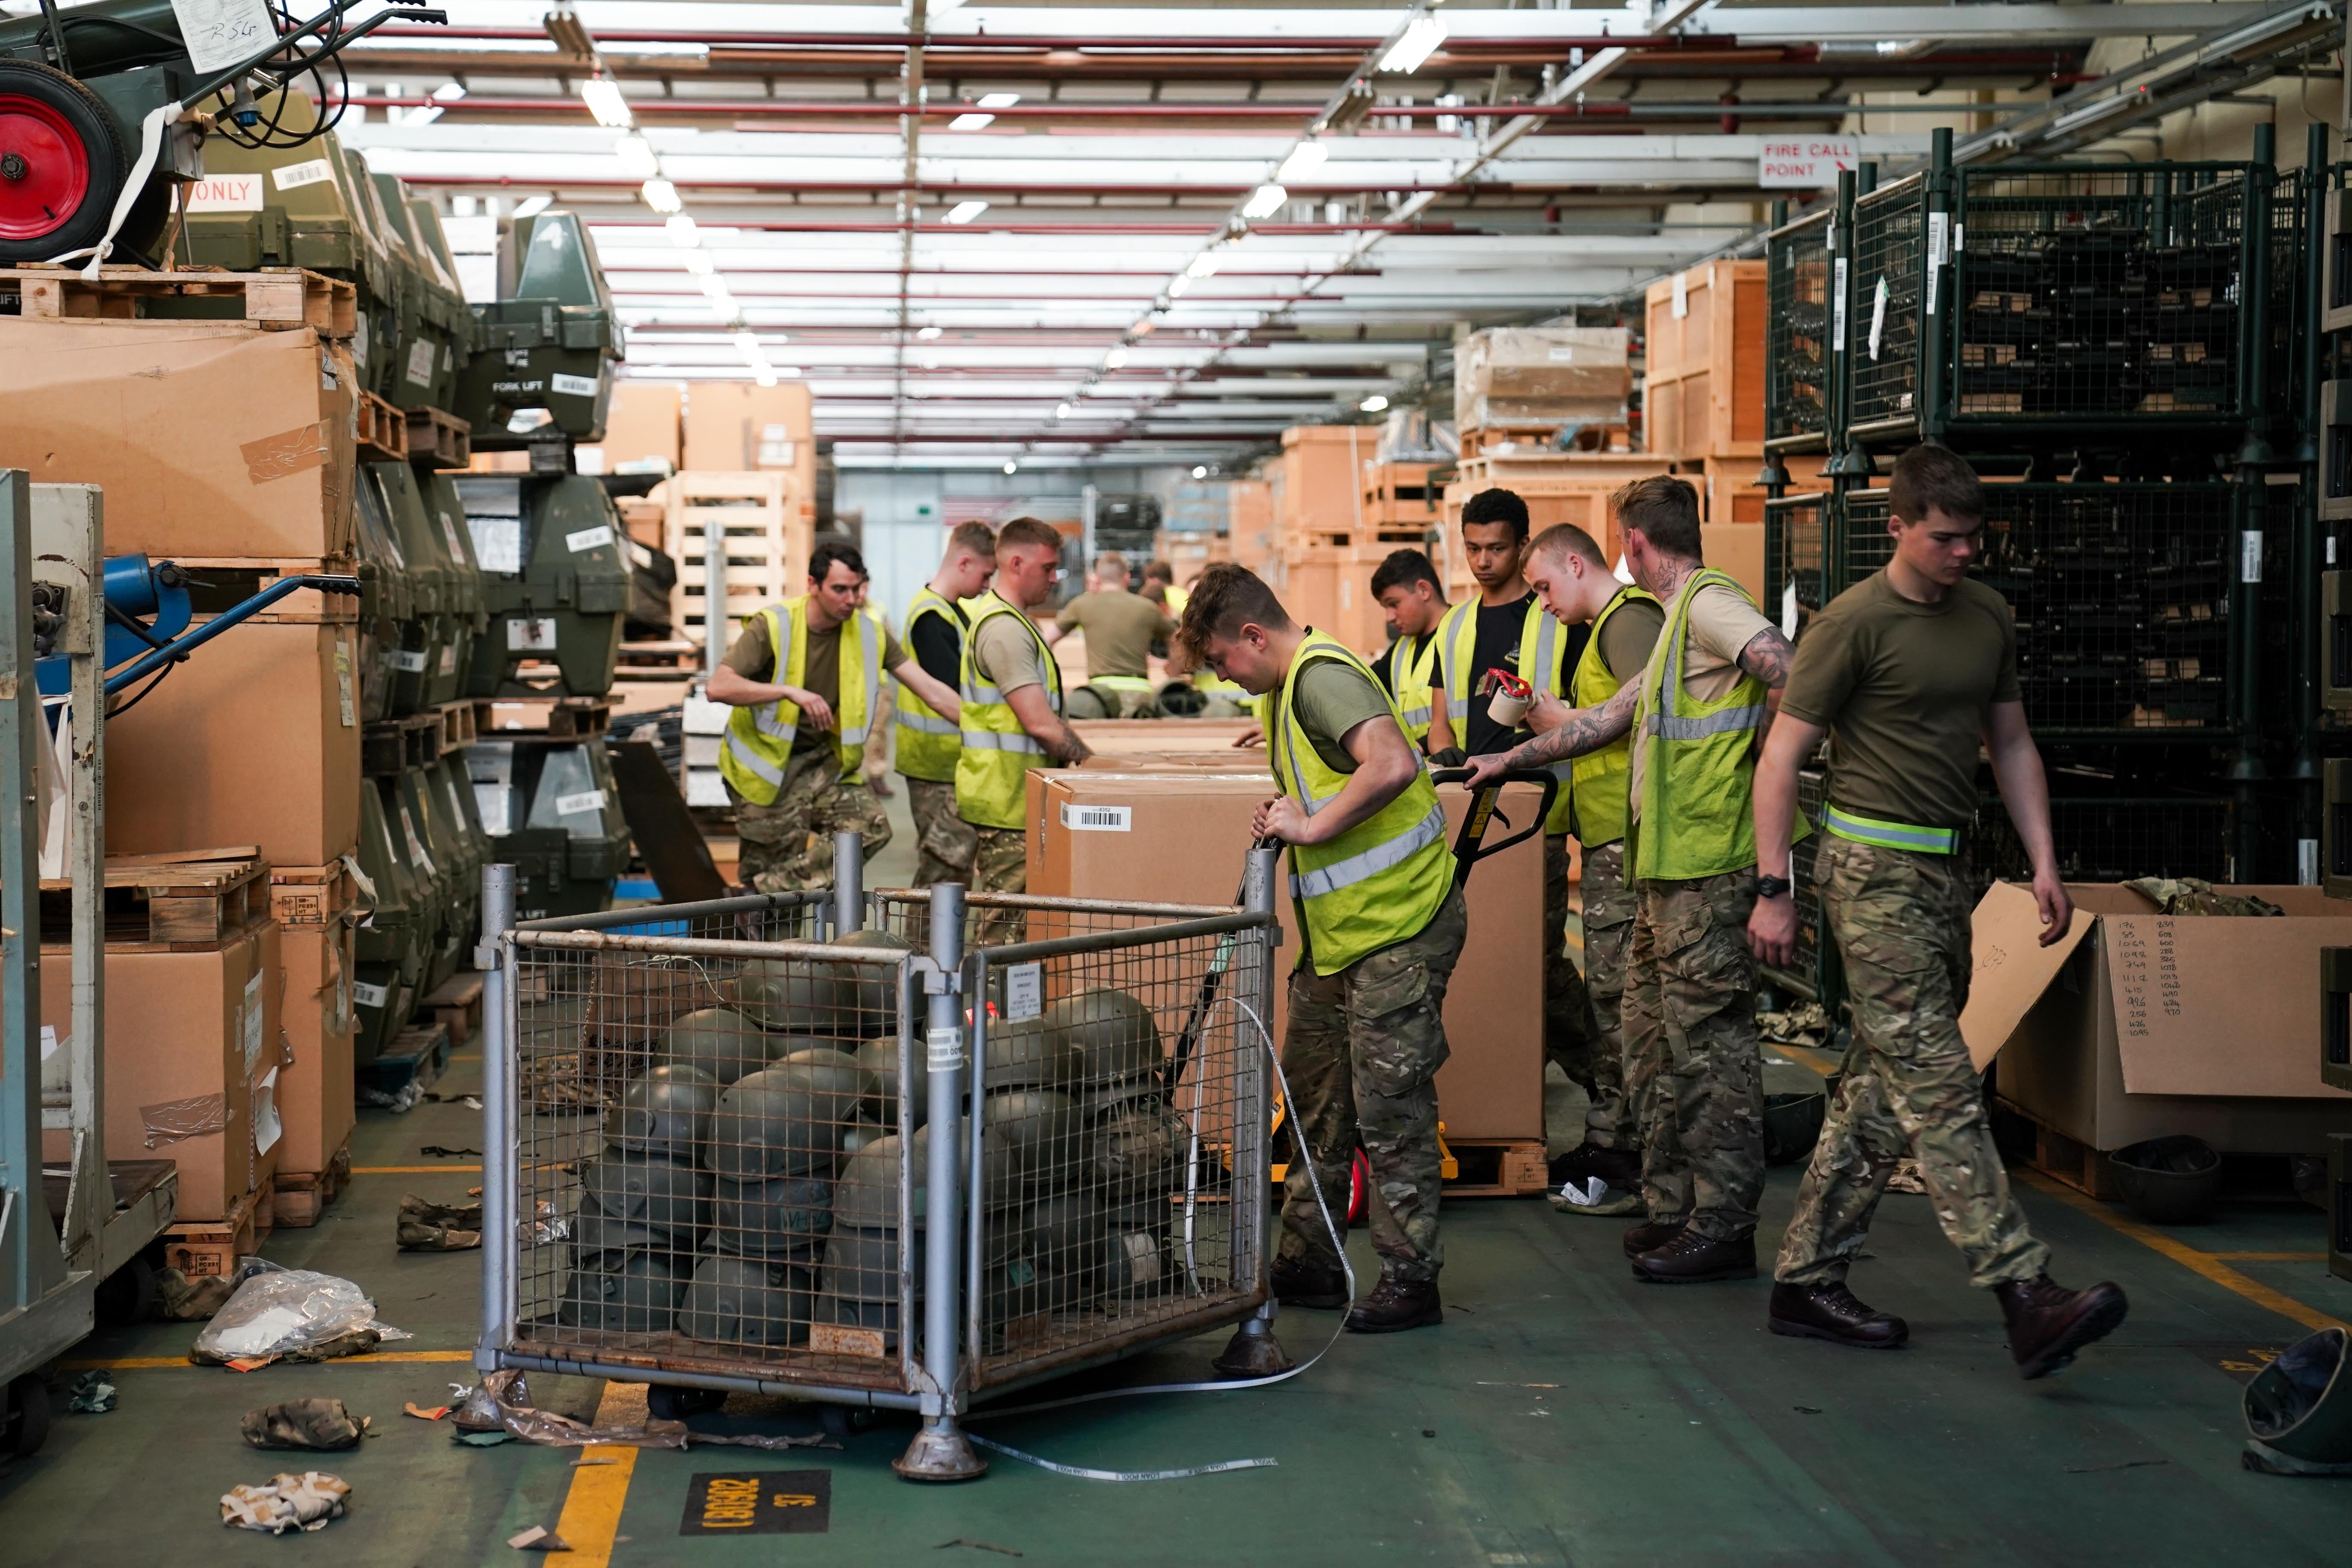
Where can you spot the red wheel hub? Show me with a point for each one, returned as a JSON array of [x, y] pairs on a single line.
[[43, 169]]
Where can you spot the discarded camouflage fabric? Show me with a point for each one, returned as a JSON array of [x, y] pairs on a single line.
[[323, 1424], [426, 1227], [1802, 1024], [284, 1502], [500, 1403], [291, 1314], [2196, 896], [93, 1394]]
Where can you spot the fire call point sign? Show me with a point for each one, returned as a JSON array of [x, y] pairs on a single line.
[[1805, 163]]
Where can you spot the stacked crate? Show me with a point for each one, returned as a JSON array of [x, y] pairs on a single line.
[[1332, 528], [1558, 487]]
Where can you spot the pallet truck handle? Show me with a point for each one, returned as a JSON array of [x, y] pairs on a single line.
[[1469, 847]]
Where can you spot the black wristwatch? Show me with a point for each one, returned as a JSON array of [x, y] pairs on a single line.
[[1772, 887]]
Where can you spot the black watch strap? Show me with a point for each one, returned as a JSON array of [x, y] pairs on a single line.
[[1772, 887]]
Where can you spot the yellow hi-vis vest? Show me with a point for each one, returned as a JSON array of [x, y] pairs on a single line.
[[1384, 879], [1599, 776], [1411, 681], [759, 743], [1698, 763], [1177, 599], [992, 767], [1543, 658], [928, 742]]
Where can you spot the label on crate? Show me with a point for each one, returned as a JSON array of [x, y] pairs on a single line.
[[573, 385], [368, 995], [1098, 818], [530, 634], [50, 1040], [2250, 555], [594, 538], [1682, 296], [1877, 317], [1837, 303], [1024, 992], [420, 363], [579, 805], [252, 1024], [219, 34], [294, 176], [224, 194], [449, 533], [498, 542], [360, 338], [943, 1048], [412, 660], [345, 707], [1939, 224]]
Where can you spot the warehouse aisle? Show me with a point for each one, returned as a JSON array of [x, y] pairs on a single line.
[[1564, 1413]]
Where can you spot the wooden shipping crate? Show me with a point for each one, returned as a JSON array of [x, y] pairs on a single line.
[[1727, 491], [733, 425], [769, 537], [1704, 394], [1565, 488], [1318, 479], [1329, 587], [1250, 539]]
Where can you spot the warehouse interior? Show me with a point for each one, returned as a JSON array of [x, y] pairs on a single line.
[[467, 1077]]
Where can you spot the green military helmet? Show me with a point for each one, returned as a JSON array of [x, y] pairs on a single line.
[[2299, 1410], [867, 1197], [845, 1086], [871, 993], [1137, 1263], [667, 1111], [769, 1123], [783, 1217], [746, 1302], [1047, 1137], [863, 1265], [880, 1058], [1030, 1053], [1069, 1232], [595, 1232], [1139, 1154], [1114, 1035], [1129, 1097], [788, 997], [718, 1042], [1792, 1125], [670, 1194], [629, 1292], [864, 1129]]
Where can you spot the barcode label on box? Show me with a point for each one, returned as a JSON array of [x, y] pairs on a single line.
[[532, 634], [420, 363], [409, 659], [293, 176], [579, 805], [252, 1024], [1098, 818], [573, 385], [1024, 992], [368, 995], [594, 538]]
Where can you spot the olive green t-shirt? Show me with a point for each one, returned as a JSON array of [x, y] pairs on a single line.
[[1331, 699], [1120, 628], [1903, 690], [1630, 635], [752, 658]]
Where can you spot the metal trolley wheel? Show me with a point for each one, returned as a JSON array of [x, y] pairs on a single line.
[[63, 162], [28, 1416]]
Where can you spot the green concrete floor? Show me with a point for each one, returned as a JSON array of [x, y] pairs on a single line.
[[1563, 1414]]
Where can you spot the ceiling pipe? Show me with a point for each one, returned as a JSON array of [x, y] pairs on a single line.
[[771, 108]]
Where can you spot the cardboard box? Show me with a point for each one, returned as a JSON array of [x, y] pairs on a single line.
[[256, 740], [2139, 1025], [1185, 839], [1114, 739], [1317, 485], [1251, 529], [315, 1091], [734, 426], [1737, 548], [1328, 587], [644, 424], [1541, 375], [210, 440]]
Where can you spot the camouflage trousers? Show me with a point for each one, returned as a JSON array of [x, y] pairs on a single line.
[[1599, 1067], [1568, 1040], [1000, 865], [1360, 1055], [1902, 924], [787, 845], [1694, 1069], [1097, 701], [944, 841]]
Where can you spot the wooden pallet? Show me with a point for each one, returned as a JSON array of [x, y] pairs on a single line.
[[768, 542], [299, 1197], [382, 430], [311, 895], [2063, 1159], [277, 298], [417, 1054], [557, 718], [395, 745], [461, 724], [442, 439], [202, 1248], [232, 578], [456, 1006], [185, 901], [1493, 1168], [1532, 440]]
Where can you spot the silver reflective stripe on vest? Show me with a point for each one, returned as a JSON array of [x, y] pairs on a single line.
[[990, 741], [1547, 640], [869, 640], [979, 691], [1419, 715], [1379, 857], [926, 723], [1671, 728], [1306, 803], [756, 765], [764, 717]]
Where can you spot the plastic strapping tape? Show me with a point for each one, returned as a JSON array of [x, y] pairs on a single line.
[[150, 143]]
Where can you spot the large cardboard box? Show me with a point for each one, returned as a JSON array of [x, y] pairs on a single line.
[[2139, 1025], [1317, 485], [1185, 836], [1541, 375], [644, 425], [210, 440], [1112, 739], [315, 1090], [734, 426], [256, 740], [1253, 541]]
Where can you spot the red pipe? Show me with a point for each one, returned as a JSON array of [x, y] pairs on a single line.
[[998, 41]]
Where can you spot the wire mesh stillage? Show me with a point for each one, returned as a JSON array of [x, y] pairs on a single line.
[[722, 1132]]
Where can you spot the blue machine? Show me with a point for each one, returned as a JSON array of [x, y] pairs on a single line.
[[148, 612]]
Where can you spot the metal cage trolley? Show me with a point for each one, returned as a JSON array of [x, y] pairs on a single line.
[[904, 1151]]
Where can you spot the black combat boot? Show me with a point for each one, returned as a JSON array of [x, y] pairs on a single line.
[[1395, 1305], [1301, 1284], [2048, 1323], [1831, 1312], [1652, 1233], [1691, 1258], [1617, 1167]]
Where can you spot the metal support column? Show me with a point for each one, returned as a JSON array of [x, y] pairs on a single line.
[[1253, 1351], [2307, 559], [499, 1152], [848, 882], [714, 590]]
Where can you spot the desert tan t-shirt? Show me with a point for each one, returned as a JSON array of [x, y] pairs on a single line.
[[1006, 654], [1120, 628], [1903, 690], [1722, 623], [752, 658]]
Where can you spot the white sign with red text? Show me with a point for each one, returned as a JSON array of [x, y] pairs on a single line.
[[225, 194], [1805, 163]]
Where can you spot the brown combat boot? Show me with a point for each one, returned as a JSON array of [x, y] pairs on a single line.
[[1833, 1312], [1651, 1233], [2048, 1323], [1396, 1305], [1691, 1258]]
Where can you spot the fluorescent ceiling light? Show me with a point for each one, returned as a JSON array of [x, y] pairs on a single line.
[[698, 262], [1116, 358], [715, 287], [1374, 403], [1199, 472], [1419, 41], [972, 122], [765, 376], [1010, 466], [602, 96], [999, 99], [927, 333], [531, 206], [681, 229], [1203, 265], [1062, 411], [1264, 201], [1304, 157], [964, 212], [1177, 285], [749, 343], [448, 92], [660, 196], [636, 155]]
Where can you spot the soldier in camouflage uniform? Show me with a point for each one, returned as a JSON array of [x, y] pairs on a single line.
[[1001, 861], [1909, 673], [787, 845]]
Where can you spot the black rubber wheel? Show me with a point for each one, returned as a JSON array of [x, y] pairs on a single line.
[[127, 1295], [668, 1403], [63, 162], [28, 1416], [843, 1422]]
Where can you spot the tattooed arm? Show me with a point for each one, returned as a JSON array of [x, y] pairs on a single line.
[[1584, 729], [1767, 657]]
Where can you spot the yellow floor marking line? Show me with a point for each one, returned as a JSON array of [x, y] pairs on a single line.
[[2269, 1256], [149, 1363], [592, 1508], [1805, 1055], [2189, 1257]]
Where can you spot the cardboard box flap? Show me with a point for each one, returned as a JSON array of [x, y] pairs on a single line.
[[2012, 968], [2190, 991]]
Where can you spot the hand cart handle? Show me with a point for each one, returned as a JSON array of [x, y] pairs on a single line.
[[1468, 844]]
